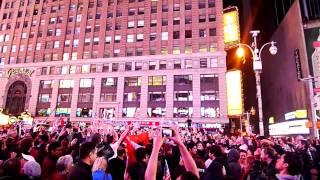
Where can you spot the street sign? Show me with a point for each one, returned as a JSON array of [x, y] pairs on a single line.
[[298, 63]]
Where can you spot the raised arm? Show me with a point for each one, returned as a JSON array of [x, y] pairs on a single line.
[[151, 171], [124, 135], [188, 161]]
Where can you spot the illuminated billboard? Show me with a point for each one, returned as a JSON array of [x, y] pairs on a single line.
[[231, 27], [289, 128], [234, 93]]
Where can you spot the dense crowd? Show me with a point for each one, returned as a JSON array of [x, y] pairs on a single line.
[[72, 152]]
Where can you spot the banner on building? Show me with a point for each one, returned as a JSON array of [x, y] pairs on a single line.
[[231, 27], [234, 93]]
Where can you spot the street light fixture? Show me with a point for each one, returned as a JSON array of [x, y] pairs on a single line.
[[257, 67]]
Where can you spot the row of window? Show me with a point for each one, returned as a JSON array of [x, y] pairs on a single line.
[[140, 10], [130, 97], [130, 81], [108, 39], [128, 66], [130, 112], [109, 27]]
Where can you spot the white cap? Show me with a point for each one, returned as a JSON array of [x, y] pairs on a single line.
[[28, 157]]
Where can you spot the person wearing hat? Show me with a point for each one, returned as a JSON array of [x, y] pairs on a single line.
[[32, 170]]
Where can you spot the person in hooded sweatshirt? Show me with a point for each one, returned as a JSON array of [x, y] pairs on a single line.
[[234, 167], [289, 166]]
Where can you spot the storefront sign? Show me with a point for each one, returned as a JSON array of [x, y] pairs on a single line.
[[289, 128], [13, 71]]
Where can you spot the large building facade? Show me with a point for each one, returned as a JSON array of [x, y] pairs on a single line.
[[122, 60]]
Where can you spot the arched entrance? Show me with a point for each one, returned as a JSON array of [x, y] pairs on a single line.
[[16, 97]]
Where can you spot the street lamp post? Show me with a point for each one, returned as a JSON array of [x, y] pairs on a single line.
[[257, 67]]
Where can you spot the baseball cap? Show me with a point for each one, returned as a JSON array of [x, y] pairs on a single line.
[[32, 169], [28, 157]]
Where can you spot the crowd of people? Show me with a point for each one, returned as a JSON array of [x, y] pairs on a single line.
[[136, 153]]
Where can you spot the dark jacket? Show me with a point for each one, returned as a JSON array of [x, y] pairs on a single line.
[[81, 171], [214, 171], [117, 168], [137, 170], [234, 168], [261, 170]]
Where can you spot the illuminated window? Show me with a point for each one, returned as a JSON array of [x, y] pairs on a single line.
[[65, 112], [153, 23], [13, 48], [46, 84], [85, 68], [86, 54], [117, 39], [210, 112], [156, 112], [176, 50], [87, 41], [55, 57], [107, 113], [139, 37], [58, 32], [44, 98], [65, 56], [209, 96], [130, 112], [108, 97], [66, 83], [95, 40], [74, 56], [130, 24], [86, 83], [157, 80], [164, 36], [188, 63], [132, 81], [109, 82], [130, 38], [213, 47], [188, 50], [213, 62], [73, 69], [108, 39], [132, 97], [140, 23], [203, 48], [75, 42], [65, 70], [164, 50], [56, 44], [182, 112], [67, 43]]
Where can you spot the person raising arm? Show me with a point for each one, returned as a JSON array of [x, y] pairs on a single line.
[[151, 171]]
